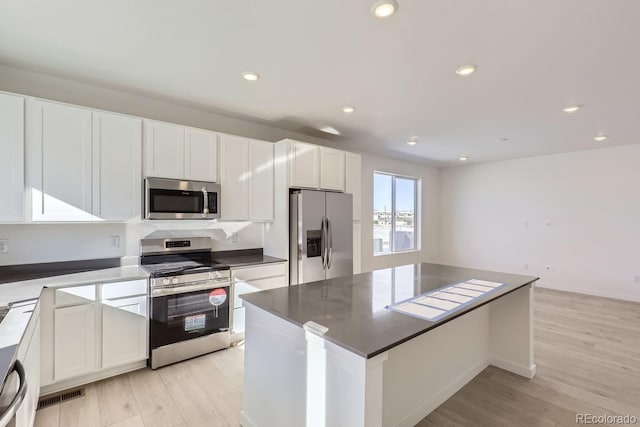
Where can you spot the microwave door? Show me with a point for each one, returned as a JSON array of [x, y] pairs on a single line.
[[174, 199]]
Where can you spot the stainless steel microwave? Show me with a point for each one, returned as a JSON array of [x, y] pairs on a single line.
[[176, 199]]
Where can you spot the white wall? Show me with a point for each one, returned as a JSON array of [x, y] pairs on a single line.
[[429, 212], [494, 217]]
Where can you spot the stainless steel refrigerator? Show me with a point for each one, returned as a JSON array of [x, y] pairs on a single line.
[[321, 236]]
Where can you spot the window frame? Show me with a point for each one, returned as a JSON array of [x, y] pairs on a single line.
[[416, 213]]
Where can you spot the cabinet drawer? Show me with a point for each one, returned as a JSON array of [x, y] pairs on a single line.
[[75, 295], [259, 272], [124, 289]]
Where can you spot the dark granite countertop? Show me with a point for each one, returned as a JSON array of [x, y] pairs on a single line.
[[353, 307], [243, 258], [20, 272]]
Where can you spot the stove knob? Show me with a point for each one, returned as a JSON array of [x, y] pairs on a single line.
[[174, 281], [165, 281]]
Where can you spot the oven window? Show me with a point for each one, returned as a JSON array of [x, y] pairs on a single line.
[[175, 201], [176, 318]]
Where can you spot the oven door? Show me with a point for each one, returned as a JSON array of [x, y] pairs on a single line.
[[175, 199], [179, 317]]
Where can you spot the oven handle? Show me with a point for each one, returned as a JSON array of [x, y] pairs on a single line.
[[183, 289], [18, 398]]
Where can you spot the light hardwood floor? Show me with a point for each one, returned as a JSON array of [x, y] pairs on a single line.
[[587, 350]]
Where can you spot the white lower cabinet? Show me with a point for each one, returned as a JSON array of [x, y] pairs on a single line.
[[74, 341], [253, 279], [124, 331], [92, 331]]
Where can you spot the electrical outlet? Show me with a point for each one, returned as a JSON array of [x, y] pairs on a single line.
[[549, 268], [547, 223], [4, 246], [526, 266], [114, 241], [637, 279], [234, 237]]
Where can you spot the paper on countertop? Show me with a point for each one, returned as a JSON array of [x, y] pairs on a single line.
[[419, 310], [466, 292], [437, 303], [452, 297], [478, 288], [485, 283]]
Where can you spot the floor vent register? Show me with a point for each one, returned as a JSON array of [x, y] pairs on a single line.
[[54, 399]]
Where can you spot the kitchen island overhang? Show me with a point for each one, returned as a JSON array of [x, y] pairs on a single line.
[[330, 353]]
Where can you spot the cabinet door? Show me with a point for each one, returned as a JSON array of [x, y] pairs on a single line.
[[357, 249], [331, 169], [12, 158], [261, 182], [234, 177], [163, 150], [117, 180], [124, 331], [353, 172], [305, 165], [59, 162], [74, 341], [201, 155]]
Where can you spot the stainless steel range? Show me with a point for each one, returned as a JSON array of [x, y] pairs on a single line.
[[189, 299]]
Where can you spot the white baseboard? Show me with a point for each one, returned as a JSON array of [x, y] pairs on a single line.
[[523, 371], [83, 380], [596, 293], [431, 404]]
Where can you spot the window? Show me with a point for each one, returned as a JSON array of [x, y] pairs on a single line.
[[395, 225]]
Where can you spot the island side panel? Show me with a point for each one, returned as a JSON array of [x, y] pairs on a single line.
[[274, 392], [424, 372], [512, 332]]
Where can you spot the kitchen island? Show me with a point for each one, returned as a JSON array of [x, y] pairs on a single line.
[[331, 353]]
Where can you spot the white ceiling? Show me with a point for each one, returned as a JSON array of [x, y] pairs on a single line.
[[314, 56]]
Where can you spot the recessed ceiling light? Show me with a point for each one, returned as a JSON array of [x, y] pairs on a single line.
[[251, 76], [466, 70], [329, 129], [462, 159], [384, 8], [348, 109], [571, 108], [413, 140], [600, 137]]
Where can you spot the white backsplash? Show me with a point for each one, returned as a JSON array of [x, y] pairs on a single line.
[[38, 243]]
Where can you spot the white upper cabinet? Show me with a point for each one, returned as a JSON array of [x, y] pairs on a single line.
[[59, 161], [353, 181], [305, 165], [117, 177], [261, 180], [246, 179], [331, 169], [164, 150], [234, 177], [12, 157], [83, 165], [200, 155], [178, 152]]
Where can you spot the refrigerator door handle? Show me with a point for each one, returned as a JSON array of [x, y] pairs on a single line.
[[323, 244], [330, 239]]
